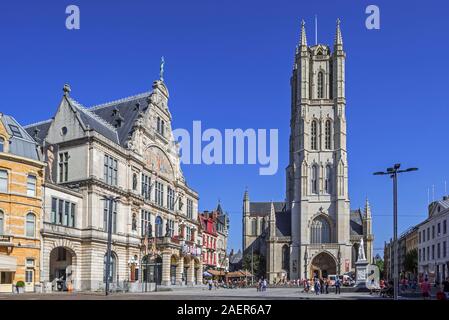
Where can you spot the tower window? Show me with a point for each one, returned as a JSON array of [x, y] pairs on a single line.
[[320, 85], [320, 231], [328, 135], [313, 133], [315, 179], [327, 182]]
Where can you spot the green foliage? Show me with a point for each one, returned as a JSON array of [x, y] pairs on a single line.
[[379, 262], [411, 261], [20, 284], [258, 264]]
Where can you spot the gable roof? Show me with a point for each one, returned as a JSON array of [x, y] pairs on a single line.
[[113, 120], [23, 145], [258, 209], [356, 222]]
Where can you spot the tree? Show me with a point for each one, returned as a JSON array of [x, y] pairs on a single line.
[[258, 264], [411, 261]]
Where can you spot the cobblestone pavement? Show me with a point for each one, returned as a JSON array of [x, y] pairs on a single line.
[[196, 294]]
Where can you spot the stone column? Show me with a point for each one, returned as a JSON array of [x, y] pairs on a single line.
[[179, 270], [199, 274], [166, 259], [191, 272]]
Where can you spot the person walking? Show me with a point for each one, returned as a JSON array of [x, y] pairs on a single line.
[[446, 287], [425, 289], [337, 285], [317, 286], [264, 285], [210, 284]]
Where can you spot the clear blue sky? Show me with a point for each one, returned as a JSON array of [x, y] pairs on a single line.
[[228, 64]]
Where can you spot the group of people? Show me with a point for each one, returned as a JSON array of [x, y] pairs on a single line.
[[321, 285], [387, 288], [229, 284], [262, 285]]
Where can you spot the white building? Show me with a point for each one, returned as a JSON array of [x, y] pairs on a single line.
[[433, 239], [120, 149]]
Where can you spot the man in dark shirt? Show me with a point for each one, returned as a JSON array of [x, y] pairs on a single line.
[[446, 287]]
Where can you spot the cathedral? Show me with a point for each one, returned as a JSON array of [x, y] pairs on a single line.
[[313, 232]]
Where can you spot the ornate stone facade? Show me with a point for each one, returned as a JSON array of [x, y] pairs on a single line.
[[313, 232]]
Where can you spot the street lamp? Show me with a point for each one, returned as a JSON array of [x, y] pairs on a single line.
[[393, 173], [111, 200]]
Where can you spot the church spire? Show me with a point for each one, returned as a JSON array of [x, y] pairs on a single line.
[[338, 43], [303, 36], [367, 209]]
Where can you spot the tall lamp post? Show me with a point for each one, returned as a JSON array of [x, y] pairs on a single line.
[[393, 173], [110, 200]]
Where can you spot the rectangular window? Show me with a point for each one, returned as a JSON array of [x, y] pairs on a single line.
[[170, 199], [419, 255], [6, 277], [433, 252], [72, 216], [171, 228], [428, 253], [419, 237], [433, 232], [188, 234], [444, 227], [29, 276], [254, 227], [63, 167], [444, 249], [146, 187], [66, 213], [144, 222], [159, 193], [189, 209], [428, 233], [438, 250], [439, 228], [106, 215], [3, 181], [54, 208], [110, 170], [63, 212], [31, 186], [60, 211]]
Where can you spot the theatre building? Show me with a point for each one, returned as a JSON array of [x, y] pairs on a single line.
[[21, 173], [123, 151]]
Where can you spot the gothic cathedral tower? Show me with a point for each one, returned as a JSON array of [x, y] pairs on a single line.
[[317, 175]]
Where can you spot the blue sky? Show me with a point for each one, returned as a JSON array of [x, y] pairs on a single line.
[[228, 64]]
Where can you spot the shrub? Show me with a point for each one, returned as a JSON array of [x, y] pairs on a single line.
[[20, 284]]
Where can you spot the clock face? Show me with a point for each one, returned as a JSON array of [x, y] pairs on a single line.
[[157, 160]]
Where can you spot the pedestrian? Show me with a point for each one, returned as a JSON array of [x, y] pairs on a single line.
[[446, 287], [337, 285], [327, 285], [264, 285], [317, 286], [321, 285], [425, 289], [210, 284]]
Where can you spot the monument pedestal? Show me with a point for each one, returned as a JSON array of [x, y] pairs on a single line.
[[361, 273]]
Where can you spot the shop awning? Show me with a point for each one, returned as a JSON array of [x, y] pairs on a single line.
[[8, 263], [216, 272]]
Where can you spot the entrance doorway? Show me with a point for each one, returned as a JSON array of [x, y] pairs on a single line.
[[323, 265], [61, 268]]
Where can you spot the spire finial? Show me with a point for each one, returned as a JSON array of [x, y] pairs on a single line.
[[303, 37], [66, 90], [338, 36], [367, 208], [161, 72], [246, 195]]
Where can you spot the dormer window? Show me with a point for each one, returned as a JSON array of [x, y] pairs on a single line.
[[2, 145], [15, 131]]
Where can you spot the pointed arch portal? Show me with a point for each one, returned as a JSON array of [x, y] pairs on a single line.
[[323, 265]]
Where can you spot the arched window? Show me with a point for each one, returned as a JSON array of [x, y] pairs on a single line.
[[327, 181], [320, 85], [2, 223], [327, 140], [285, 257], [315, 179], [320, 231], [313, 135], [159, 228], [112, 267], [30, 225]]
